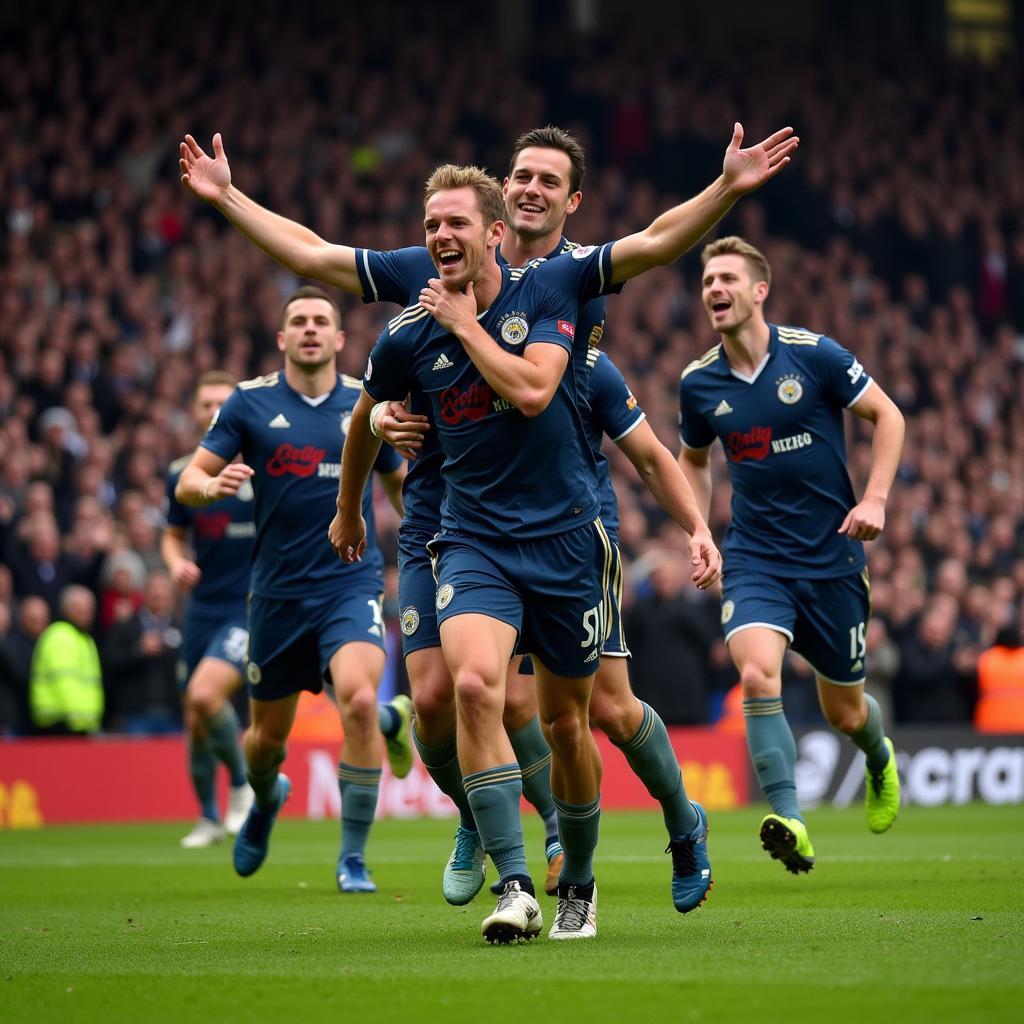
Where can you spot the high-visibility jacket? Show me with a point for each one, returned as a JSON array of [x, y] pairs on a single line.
[[66, 684], [1000, 706]]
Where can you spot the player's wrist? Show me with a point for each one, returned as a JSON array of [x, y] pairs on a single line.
[[204, 491], [376, 414]]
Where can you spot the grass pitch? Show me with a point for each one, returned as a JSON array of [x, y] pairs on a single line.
[[924, 923]]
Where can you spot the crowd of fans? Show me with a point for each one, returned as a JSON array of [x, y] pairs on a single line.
[[899, 230]]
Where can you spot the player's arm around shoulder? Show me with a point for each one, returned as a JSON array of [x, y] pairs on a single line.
[[866, 520]]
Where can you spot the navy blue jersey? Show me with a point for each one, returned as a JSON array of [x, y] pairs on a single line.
[[295, 450], [222, 539], [507, 476], [613, 411], [783, 435], [398, 276]]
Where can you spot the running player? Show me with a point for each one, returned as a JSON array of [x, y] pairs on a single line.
[[794, 558], [308, 614], [216, 577]]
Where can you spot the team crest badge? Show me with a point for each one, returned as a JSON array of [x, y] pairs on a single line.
[[583, 252], [445, 595], [790, 391], [514, 328], [410, 620], [253, 673], [728, 610]]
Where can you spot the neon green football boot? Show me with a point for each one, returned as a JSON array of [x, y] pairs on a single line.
[[786, 839], [399, 746], [882, 793]]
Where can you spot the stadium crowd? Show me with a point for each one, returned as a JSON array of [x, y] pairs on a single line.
[[899, 230]]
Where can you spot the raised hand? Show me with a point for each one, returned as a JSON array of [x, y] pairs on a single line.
[[205, 176], [747, 169]]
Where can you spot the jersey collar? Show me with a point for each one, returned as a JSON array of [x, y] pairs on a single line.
[[773, 344]]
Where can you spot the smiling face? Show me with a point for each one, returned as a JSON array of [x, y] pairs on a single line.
[[458, 240], [730, 294], [310, 337], [537, 194]]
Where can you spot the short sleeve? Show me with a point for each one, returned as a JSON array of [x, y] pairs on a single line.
[[177, 514], [388, 371], [393, 276], [694, 430], [845, 379], [611, 402], [226, 434]]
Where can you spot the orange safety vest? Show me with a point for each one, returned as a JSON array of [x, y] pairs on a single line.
[[1000, 706]]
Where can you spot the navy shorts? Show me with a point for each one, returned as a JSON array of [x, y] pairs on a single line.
[[554, 591], [291, 642], [417, 590], [213, 633], [825, 620]]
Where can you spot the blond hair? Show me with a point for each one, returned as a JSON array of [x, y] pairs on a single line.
[[488, 192], [733, 245]]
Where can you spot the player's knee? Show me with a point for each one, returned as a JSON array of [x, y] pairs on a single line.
[[847, 719], [359, 707], [473, 694], [268, 735], [204, 701], [614, 717], [565, 730], [434, 707], [758, 683]]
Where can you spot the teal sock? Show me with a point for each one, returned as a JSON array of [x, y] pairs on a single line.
[[871, 738], [226, 743], [359, 788], [494, 796], [578, 827], [531, 750], [654, 763], [442, 764], [773, 751], [390, 720], [264, 784], [202, 766]]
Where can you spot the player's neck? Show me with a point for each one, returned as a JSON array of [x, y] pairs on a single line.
[[311, 383], [747, 346], [518, 250], [488, 288]]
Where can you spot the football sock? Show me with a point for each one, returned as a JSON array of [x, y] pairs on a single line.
[[202, 766], [534, 759], [390, 720], [359, 788], [264, 784], [225, 742], [773, 751], [871, 738], [494, 796], [654, 763], [442, 764], [578, 828]]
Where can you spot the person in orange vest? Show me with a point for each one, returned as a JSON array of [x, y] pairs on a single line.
[[1000, 706]]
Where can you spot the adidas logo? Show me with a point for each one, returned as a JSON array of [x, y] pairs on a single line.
[[279, 422], [442, 363], [592, 656], [857, 665], [374, 631], [723, 408]]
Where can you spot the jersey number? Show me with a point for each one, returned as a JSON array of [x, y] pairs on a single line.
[[858, 645]]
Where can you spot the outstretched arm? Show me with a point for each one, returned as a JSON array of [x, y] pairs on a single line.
[[670, 235], [298, 248], [866, 520], [347, 532], [665, 480]]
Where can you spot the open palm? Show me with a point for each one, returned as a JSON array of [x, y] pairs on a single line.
[[208, 177], [747, 169]]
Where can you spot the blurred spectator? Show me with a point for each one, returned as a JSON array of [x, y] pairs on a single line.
[[17, 642], [140, 659], [66, 685], [670, 631], [122, 579], [933, 683], [1000, 706]]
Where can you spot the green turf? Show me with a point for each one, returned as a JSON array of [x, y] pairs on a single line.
[[119, 924]]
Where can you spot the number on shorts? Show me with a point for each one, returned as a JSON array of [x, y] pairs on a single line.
[[593, 625], [858, 643]]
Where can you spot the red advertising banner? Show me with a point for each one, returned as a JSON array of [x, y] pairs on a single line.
[[59, 781]]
